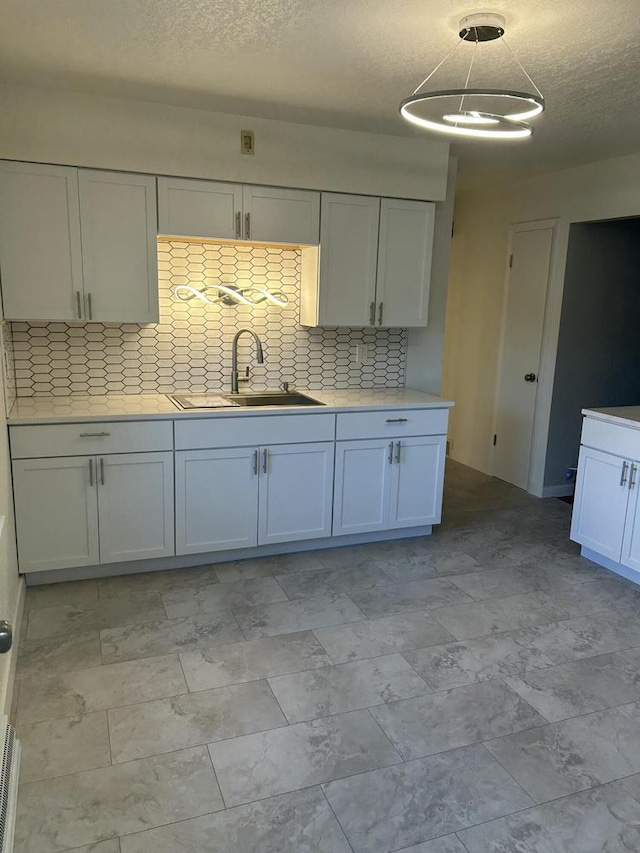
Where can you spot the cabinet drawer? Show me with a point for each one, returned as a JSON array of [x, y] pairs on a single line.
[[612, 438], [29, 442], [253, 431], [392, 422]]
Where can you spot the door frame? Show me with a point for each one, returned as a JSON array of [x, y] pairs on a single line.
[[544, 384]]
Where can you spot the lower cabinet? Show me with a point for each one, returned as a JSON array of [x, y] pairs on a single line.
[[381, 484], [79, 511], [605, 510], [247, 496]]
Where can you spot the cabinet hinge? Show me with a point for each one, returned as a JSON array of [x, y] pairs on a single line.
[[510, 261], [495, 440]]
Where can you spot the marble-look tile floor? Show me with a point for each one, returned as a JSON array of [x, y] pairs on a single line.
[[477, 691]]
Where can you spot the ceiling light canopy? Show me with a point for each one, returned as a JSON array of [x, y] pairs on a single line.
[[476, 113]]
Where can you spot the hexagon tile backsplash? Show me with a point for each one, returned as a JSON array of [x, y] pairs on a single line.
[[190, 349]]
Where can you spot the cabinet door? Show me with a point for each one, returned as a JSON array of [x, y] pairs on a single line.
[[199, 208], [404, 262], [135, 506], [348, 259], [56, 513], [631, 540], [281, 216], [417, 481], [216, 500], [361, 493], [40, 259], [296, 492], [600, 503], [119, 249]]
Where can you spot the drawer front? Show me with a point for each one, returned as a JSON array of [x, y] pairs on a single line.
[[612, 438], [253, 431], [88, 439], [392, 422]]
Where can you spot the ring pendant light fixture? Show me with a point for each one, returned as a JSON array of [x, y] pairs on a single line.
[[477, 113]]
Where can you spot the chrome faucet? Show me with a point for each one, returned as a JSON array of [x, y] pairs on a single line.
[[234, 356]]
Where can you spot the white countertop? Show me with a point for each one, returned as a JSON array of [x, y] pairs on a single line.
[[118, 407], [625, 415]]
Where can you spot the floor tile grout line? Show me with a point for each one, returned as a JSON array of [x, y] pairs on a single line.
[[403, 760], [215, 776], [337, 819], [277, 701]]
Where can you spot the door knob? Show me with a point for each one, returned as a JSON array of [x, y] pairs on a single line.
[[529, 377], [6, 636]]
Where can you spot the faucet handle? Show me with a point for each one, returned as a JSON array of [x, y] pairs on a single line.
[[285, 387], [247, 375]]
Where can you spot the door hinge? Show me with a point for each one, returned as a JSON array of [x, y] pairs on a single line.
[[495, 440], [510, 261]]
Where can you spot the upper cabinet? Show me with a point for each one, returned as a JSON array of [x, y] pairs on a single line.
[[76, 244], [40, 252], [375, 263], [210, 209], [119, 251]]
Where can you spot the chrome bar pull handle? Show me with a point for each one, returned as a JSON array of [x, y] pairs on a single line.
[[101, 471], [256, 462], [623, 474], [398, 446], [89, 307], [94, 434], [397, 420], [78, 304], [247, 226], [372, 314], [380, 313], [390, 457], [632, 479], [265, 456], [238, 225], [91, 472]]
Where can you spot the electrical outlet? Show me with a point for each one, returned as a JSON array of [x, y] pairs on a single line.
[[361, 353]]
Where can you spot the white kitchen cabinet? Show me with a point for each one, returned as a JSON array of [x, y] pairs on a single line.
[[119, 250], [405, 249], [247, 496], [384, 484], [216, 499], [362, 486], [416, 481], [56, 507], [77, 244], [135, 506], [40, 252], [211, 209], [296, 492], [375, 263], [85, 510]]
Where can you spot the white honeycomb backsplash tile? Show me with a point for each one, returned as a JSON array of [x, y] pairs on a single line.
[[190, 349]]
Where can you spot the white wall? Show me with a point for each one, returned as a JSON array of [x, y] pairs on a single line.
[[425, 346], [55, 126], [11, 585], [604, 190]]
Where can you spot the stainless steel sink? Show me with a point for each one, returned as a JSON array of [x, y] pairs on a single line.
[[275, 398], [260, 398]]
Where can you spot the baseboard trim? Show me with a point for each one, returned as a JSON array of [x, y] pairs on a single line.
[[558, 491], [607, 563], [7, 699], [213, 558]]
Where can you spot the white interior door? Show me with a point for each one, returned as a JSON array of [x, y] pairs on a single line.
[[296, 492], [361, 492], [135, 506], [416, 486], [600, 504], [522, 331], [216, 500], [118, 219], [56, 512], [404, 262]]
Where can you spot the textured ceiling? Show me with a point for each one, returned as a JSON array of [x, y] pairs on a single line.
[[345, 63]]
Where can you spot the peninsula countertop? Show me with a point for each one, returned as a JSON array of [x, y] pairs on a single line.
[[53, 409]]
